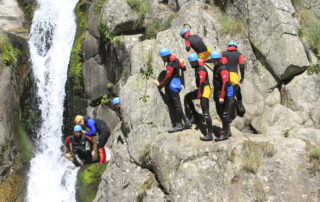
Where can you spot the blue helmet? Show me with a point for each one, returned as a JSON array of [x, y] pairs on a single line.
[[164, 52], [193, 57], [232, 43], [183, 32], [215, 55], [77, 128], [115, 101]]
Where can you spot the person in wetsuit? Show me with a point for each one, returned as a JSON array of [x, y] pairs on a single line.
[[78, 147], [196, 43], [222, 94], [201, 94], [96, 126], [172, 84], [234, 61]]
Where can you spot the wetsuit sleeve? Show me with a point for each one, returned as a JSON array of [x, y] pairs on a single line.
[[241, 63], [168, 75], [224, 60], [187, 45], [89, 139], [68, 140], [202, 76], [225, 78], [182, 65], [90, 124]]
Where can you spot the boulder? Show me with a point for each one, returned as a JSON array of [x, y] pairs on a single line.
[[118, 20], [90, 46], [274, 35], [11, 15], [278, 118], [95, 79]]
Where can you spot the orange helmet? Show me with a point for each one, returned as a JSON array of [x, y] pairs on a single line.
[[78, 119]]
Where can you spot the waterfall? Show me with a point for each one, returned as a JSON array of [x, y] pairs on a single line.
[[51, 177]]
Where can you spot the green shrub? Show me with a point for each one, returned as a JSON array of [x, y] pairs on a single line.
[[313, 69], [107, 36], [147, 71], [310, 26], [98, 5], [253, 153], [156, 26], [142, 7], [7, 52], [231, 26]]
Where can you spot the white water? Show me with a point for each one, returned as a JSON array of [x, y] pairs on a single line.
[[51, 177]]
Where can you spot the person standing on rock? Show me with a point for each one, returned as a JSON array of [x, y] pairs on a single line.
[[96, 126], [172, 84], [201, 94], [196, 43], [78, 144], [222, 94], [233, 59]]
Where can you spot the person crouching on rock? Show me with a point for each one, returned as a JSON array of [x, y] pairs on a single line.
[[222, 94], [96, 126], [202, 94], [173, 86], [78, 150]]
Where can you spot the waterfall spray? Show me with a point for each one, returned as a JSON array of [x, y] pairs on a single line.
[[51, 177]]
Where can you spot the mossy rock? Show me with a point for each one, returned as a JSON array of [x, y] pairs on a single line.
[[88, 181]]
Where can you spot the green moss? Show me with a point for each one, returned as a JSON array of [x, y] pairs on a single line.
[[88, 181], [7, 52], [231, 26], [286, 133], [28, 7], [147, 71], [106, 36], [98, 4], [75, 71], [314, 158]]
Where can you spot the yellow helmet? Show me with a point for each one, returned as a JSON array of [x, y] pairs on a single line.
[[78, 119]]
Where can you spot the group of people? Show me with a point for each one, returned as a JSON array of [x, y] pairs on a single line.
[[81, 148], [226, 89]]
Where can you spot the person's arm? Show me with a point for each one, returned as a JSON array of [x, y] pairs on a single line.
[[182, 65], [89, 139], [225, 78], [202, 76], [90, 124], [187, 45], [242, 67], [168, 75], [68, 140]]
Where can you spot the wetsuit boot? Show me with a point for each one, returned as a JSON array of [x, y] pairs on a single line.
[[102, 155], [78, 160], [177, 128], [188, 124], [208, 137], [222, 137]]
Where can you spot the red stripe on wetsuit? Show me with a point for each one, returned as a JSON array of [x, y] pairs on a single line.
[[224, 60], [225, 78], [202, 79]]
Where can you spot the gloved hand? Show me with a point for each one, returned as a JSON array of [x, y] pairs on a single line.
[[188, 48]]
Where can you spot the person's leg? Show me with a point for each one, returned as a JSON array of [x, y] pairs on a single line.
[[77, 158], [188, 98], [103, 137], [178, 109], [225, 119], [171, 108], [205, 111]]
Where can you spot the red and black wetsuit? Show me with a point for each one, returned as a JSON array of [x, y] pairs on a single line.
[[78, 144], [233, 59], [202, 93], [220, 83], [195, 42], [173, 71]]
